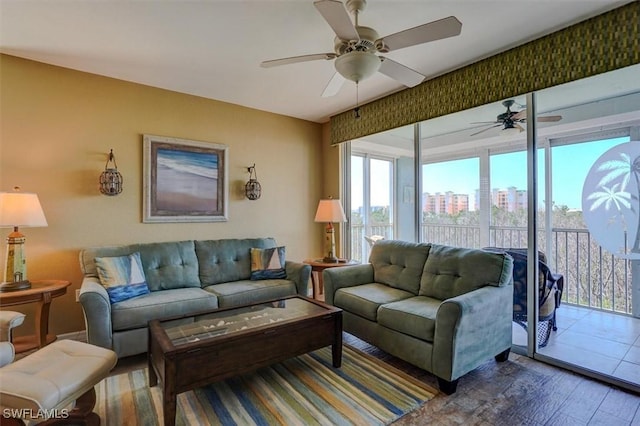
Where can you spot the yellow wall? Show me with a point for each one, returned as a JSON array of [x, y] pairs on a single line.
[[56, 129]]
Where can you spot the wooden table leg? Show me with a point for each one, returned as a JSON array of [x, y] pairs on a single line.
[[169, 402], [320, 283], [42, 319], [336, 348], [42, 337], [314, 284]]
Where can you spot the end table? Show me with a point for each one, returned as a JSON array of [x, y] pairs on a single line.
[[317, 266], [41, 292]]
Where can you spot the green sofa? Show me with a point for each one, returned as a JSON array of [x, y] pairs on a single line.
[[444, 309], [184, 277]]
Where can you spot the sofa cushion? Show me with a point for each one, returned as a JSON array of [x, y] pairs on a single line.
[[267, 264], [415, 316], [452, 271], [399, 264], [228, 260], [169, 265], [250, 291], [122, 276], [137, 312], [364, 300]]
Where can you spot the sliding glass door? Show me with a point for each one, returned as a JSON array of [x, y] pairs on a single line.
[[518, 176]]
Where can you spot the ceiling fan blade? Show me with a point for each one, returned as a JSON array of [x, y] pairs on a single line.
[[336, 15], [399, 72], [334, 85], [484, 130], [486, 122], [519, 127], [550, 118], [520, 115], [436, 30], [295, 59]]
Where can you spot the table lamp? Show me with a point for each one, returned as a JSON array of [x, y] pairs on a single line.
[[18, 209], [330, 211]]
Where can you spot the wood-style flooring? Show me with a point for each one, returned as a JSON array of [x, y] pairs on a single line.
[[520, 391]]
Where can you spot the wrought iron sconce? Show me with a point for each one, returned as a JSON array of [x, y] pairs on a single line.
[[111, 179], [253, 189]]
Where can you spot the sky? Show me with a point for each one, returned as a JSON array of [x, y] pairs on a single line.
[[571, 164]]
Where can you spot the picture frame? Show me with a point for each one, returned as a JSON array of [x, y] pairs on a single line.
[[184, 180]]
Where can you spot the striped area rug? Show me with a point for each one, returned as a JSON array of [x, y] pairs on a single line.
[[305, 390]]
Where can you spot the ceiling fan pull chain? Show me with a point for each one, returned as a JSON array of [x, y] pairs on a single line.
[[356, 110]]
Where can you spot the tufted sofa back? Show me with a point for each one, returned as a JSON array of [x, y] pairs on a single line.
[[399, 263], [452, 271], [223, 261], [179, 264], [437, 271]]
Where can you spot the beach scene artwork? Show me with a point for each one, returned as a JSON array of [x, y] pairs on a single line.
[[185, 181]]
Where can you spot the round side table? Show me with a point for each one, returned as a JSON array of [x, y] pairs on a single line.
[[317, 266], [41, 292]]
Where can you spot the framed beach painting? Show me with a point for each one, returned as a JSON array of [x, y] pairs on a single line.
[[184, 180]]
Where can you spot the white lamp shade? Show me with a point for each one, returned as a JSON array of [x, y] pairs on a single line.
[[21, 209], [330, 211]]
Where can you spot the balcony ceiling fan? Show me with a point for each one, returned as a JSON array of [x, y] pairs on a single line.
[[356, 46], [512, 119]]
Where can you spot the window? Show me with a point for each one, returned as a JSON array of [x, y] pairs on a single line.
[[450, 209], [372, 207]]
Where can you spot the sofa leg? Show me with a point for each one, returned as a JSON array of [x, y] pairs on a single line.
[[503, 356], [447, 387]]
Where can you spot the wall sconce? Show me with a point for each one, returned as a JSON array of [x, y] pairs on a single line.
[[111, 179], [253, 189]]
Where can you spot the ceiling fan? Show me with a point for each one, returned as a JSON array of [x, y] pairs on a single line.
[[355, 46], [512, 119]]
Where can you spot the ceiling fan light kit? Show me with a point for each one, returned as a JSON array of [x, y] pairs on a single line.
[[355, 46], [357, 66]]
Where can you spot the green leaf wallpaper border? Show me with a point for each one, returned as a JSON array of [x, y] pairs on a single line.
[[604, 43]]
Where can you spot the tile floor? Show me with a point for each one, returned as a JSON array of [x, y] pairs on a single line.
[[600, 341]]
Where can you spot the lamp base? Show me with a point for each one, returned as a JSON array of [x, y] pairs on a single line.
[[328, 259], [15, 286]]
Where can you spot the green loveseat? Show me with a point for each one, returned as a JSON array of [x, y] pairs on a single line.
[[184, 277], [444, 309]]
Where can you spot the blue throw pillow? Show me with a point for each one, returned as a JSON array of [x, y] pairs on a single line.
[[122, 276], [267, 263]]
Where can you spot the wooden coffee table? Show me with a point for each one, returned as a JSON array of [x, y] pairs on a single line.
[[192, 351]]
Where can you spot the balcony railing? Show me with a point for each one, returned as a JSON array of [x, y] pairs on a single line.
[[593, 277]]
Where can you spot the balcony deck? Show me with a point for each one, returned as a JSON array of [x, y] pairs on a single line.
[[600, 341]]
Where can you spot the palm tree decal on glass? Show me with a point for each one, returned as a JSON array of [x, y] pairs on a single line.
[[611, 200]]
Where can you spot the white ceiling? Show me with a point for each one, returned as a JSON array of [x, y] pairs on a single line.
[[214, 48]]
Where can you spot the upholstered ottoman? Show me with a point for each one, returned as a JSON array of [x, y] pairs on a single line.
[[45, 383]]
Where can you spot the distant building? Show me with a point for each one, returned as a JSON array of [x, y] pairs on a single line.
[[447, 202], [510, 199]]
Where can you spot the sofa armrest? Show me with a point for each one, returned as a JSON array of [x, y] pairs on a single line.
[[345, 276], [299, 273], [97, 312], [470, 329]]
